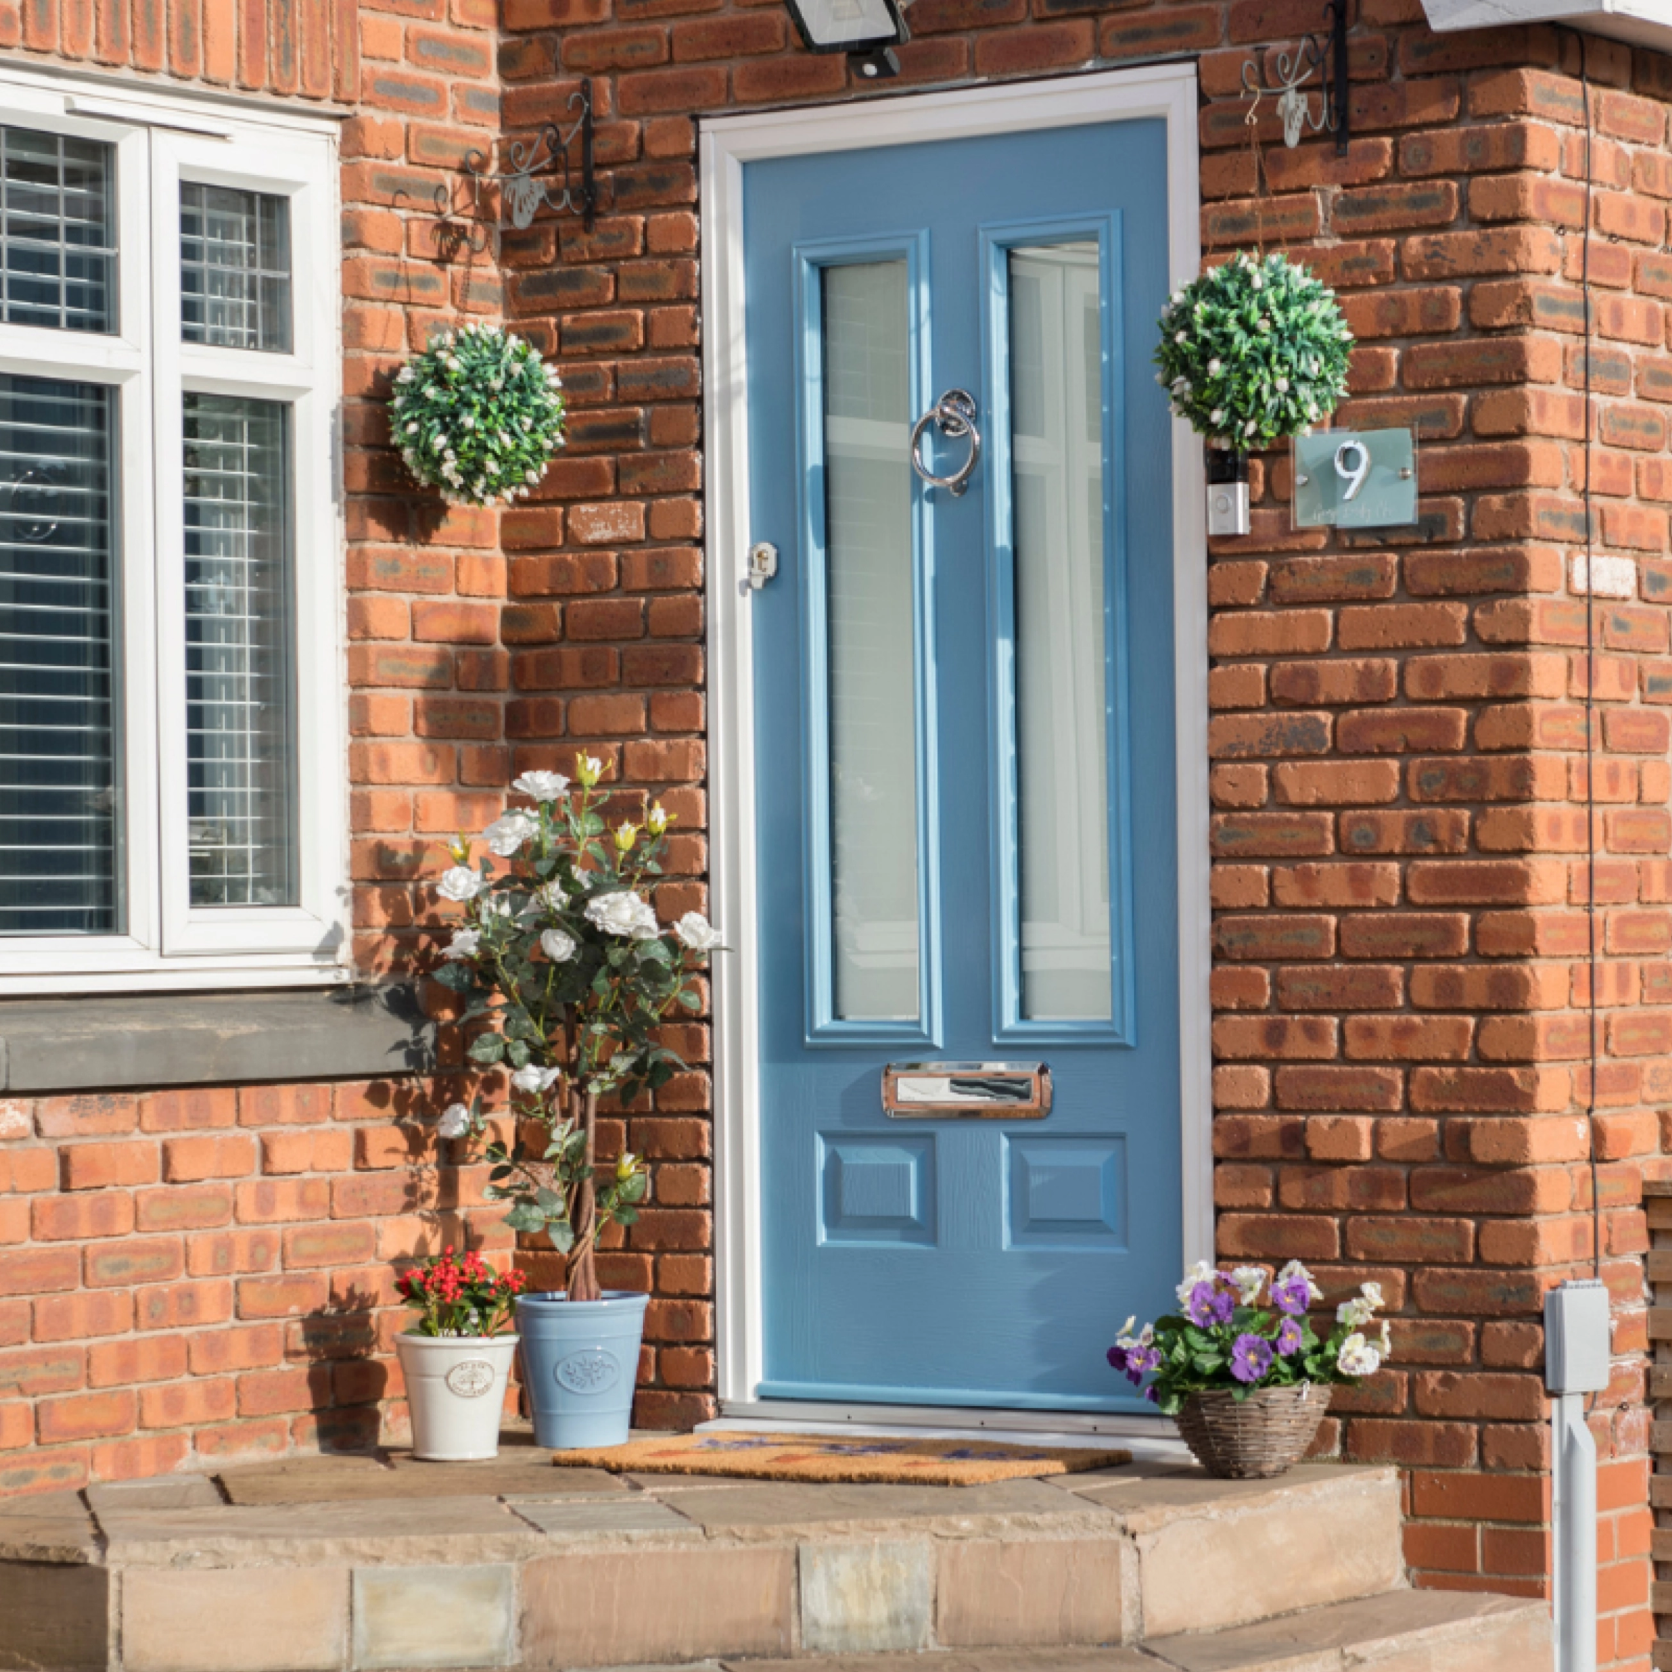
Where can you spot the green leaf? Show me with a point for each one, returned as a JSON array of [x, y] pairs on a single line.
[[487, 1047]]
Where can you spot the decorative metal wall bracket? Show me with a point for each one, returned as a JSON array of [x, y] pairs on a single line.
[[554, 170], [1294, 108]]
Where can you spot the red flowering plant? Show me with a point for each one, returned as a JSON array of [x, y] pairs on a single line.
[[460, 1295]]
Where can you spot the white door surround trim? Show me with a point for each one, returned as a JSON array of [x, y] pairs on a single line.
[[1165, 91]]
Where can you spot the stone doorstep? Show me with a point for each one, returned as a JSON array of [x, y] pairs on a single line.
[[1400, 1631], [647, 1572]]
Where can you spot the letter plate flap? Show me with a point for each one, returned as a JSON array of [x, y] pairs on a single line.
[[983, 1090]]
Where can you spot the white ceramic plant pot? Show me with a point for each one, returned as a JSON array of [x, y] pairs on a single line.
[[455, 1388]]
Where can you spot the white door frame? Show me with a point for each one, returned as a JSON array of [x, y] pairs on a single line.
[[1167, 91]]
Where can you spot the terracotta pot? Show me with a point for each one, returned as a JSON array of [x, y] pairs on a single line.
[[1254, 1438], [455, 1387]]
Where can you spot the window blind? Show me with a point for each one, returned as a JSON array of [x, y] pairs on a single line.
[[57, 232], [58, 784], [234, 268], [240, 704]]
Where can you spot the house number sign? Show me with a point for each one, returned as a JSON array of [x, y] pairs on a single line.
[[1355, 479]]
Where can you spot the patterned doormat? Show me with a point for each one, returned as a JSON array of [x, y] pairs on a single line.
[[840, 1457]]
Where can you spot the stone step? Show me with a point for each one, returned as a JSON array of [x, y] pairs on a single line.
[[341, 1565], [1399, 1631]]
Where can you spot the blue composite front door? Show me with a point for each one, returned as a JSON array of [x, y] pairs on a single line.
[[964, 766]]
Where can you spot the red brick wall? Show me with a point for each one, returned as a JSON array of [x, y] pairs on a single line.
[[1400, 890]]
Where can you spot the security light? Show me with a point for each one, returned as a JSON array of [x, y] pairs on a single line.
[[869, 27]]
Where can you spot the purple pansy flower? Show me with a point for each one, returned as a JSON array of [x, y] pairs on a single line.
[[1209, 1304], [1288, 1337], [1292, 1297], [1250, 1357], [1117, 1358]]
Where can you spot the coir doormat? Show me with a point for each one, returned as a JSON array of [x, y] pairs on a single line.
[[839, 1457]]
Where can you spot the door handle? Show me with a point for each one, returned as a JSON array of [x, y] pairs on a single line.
[[953, 415]]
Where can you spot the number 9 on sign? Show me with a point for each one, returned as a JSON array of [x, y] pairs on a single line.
[[1362, 479], [1352, 465]]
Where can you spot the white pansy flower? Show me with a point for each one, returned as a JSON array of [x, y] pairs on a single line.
[[558, 945], [1372, 1293], [534, 1079], [626, 914], [1357, 1357], [459, 882], [507, 834], [466, 943], [695, 931], [454, 1122], [1201, 1272], [1250, 1280], [1127, 1340], [1354, 1313], [1295, 1269]]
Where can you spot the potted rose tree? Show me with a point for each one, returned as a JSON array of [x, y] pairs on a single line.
[[566, 974], [1249, 1383], [455, 1359]]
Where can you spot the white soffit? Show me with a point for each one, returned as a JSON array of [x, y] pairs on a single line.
[[1640, 22]]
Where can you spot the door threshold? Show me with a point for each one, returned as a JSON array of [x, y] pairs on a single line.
[[1149, 1439]]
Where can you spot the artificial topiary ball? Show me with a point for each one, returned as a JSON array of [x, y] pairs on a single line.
[[477, 415], [1252, 351]]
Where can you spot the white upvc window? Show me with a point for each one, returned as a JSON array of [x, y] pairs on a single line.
[[172, 810]]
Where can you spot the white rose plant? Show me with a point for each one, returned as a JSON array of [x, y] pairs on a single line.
[[566, 973]]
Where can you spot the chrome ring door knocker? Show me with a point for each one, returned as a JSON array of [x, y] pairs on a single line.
[[953, 415]]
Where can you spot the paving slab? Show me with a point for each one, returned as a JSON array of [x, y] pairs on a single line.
[[234, 1620], [1162, 1489], [167, 1492], [766, 1507], [405, 1618], [54, 1616], [43, 1503], [631, 1516], [60, 1533], [1367, 1628], [522, 1473], [965, 1660], [401, 1531], [302, 1480]]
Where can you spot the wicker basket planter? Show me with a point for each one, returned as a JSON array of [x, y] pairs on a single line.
[[1254, 1438]]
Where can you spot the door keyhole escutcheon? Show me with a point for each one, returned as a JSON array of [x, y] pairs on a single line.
[[954, 416]]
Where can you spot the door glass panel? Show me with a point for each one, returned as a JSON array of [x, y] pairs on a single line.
[[1062, 684], [870, 615], [240, 704], [58, 790]]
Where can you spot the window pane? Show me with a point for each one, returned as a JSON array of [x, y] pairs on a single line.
[[1061, 674], [57, 232], [58, 791], [234, 268], [873, 751], [240, 699]]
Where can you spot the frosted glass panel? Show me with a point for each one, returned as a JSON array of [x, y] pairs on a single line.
[[1061, 678], [868, 555]]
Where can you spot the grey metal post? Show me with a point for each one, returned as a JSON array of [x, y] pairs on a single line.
[[1576, 1355]]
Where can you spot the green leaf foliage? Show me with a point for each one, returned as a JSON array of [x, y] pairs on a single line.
[[1252, 351], [477, 415]]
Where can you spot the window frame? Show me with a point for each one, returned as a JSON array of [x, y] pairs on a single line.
[[166, 942]]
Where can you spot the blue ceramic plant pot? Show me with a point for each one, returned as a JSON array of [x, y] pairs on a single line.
[[580, 1364]]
